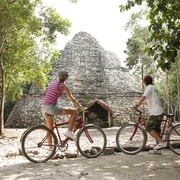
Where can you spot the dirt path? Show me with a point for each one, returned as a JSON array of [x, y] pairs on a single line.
[[142, 166], [113, 167]]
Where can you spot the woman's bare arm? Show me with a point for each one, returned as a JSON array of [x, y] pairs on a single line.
[[72, 98]]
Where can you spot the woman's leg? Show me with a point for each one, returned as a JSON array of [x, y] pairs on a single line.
[[49, 122], [73, 113]]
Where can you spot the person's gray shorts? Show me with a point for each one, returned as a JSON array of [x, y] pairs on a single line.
[[52, 110]]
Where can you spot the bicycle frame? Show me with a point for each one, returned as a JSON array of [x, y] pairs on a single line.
[[131, 138], [79, 123], [90, 141], [167, 127], [167, 124], [140, 122]]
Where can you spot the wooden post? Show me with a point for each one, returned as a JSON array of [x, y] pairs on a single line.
[[109, 119]]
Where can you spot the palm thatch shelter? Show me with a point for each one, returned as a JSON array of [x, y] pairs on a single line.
[[99, 113]]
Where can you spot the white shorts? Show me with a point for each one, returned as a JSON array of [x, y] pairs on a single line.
[[51, 110]]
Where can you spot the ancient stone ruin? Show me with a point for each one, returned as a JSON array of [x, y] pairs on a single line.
[[94, 74]]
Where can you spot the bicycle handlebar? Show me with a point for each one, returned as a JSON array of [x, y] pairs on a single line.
[[83, 113], [135, 108]]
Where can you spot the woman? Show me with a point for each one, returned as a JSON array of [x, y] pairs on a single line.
[[50, 108]]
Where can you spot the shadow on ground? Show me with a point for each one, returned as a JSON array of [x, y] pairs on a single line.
[[142, 166]]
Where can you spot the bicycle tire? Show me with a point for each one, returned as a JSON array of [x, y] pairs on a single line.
[[126, 144], [91, 149], [174, 139], [34, 144]]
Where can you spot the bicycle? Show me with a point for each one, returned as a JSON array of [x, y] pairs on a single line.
[[91, 140], [131, 138]]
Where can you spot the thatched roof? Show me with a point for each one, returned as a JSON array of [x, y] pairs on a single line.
[[101, 103]]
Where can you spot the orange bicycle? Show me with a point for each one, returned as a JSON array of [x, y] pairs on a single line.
[[131, 138], [91, 141]]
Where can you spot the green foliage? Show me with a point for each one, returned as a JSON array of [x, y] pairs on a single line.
[[140, 63], [164, 28], [52, 23], [137, 59], [27, 33]]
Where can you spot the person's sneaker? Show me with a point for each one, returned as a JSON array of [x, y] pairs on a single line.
[[152, 151], [70, 135], [160, 146]]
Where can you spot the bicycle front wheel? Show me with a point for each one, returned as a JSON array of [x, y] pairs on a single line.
[[38, 144], [174, 139], [91, 141], [131, 139]]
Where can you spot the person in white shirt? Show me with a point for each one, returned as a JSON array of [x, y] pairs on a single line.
[[155, 109]]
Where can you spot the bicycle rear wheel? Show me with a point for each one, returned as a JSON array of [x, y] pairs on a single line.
[[174, 139], [91, 141], [127, 142], [35, 146]]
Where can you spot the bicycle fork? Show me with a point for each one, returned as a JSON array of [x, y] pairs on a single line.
[[134, 132], [87, 134]]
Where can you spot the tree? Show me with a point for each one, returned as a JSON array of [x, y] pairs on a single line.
[[173, 91], [27, 33], [163, 16], [137, 59]]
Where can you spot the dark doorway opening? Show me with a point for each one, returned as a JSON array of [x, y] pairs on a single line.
[[97, 115]]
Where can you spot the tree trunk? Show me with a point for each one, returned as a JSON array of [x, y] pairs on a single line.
[[178, 89], [2, 89], [167, 92], [142, 75], [2, 97]]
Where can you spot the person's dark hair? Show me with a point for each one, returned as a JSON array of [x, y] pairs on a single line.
[[63, 75], [148, 80]]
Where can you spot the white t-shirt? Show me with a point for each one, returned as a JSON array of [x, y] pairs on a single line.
[[153, 101]]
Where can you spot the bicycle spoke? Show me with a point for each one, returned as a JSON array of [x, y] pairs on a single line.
[[131, 140], [174, 139], [35, 145], [91, 141]]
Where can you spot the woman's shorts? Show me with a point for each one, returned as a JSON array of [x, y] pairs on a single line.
[[52, 110], [154, 123]]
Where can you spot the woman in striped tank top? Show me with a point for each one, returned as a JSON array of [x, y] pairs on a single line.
[[50, 108]]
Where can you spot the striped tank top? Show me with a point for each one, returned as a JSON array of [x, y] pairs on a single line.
[[52, 94]]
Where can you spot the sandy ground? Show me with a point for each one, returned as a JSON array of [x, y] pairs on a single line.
[[117, 166]]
